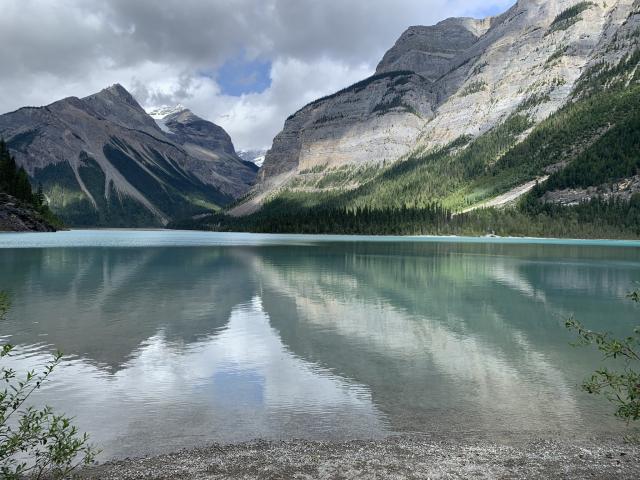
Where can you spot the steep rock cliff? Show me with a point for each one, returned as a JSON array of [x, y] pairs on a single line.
[[461, 77]]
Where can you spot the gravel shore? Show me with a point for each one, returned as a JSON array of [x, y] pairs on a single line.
[[395, 458]]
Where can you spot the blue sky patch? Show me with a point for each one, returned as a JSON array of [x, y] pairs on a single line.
[[239, 76], [489, 10]]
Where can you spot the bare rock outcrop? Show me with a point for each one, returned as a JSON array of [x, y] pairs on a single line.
[[16, 216], [528, 60], [430, 50], [372, 121], [380, 118], [622, 190]]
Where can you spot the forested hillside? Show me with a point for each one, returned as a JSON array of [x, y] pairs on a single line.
[[14, 182]]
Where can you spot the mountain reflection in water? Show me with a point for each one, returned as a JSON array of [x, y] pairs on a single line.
[[178, 346]]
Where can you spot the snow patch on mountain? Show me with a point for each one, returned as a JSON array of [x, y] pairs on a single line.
[[164, 111], [160, 114], [254, 156]]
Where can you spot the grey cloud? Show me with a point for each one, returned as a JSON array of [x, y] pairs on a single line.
[[156, 48], [179, 94]]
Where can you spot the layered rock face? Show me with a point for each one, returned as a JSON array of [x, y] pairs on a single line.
[[620, 36], [103, 161], [459, 77], [380, 118], [430, 50], [529, 61], [374, 120]]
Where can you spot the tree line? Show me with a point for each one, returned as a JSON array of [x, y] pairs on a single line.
[[14, 181]]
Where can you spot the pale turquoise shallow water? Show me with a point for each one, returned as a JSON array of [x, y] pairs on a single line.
[[177, 339]]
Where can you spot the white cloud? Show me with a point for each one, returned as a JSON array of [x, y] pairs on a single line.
[[254, 119], [157, 49]]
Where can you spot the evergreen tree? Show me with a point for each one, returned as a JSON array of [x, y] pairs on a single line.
[[39, 197], [14, 181]]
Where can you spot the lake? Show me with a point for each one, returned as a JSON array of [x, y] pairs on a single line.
[[178, 339]]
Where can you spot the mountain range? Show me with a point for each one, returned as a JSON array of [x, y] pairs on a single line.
[[536, 109], [103, 161], [467, 114]]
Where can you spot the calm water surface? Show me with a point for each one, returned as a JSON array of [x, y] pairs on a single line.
[[177, 339]]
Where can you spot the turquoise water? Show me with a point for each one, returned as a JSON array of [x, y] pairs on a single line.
[[175, 339]]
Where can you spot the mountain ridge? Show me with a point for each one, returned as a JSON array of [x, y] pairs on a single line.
[[524, 61], [103, 161], [547, 151]]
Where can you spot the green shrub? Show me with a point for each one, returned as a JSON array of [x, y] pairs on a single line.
[[558, 54], [35, 442], [474, 87], [569, 17], [622, 385]]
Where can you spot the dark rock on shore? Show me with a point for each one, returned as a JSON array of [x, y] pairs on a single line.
[[16, 216]]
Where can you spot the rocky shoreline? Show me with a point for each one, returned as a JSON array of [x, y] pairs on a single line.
[[16, 216], [394, 457]]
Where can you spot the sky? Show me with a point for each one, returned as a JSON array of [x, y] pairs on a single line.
[[243, 64]]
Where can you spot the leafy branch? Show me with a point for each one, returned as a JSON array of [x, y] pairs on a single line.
[[35, 442], [620, 386]]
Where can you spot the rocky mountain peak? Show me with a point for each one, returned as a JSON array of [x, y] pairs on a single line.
[[477, 26], [117, 105], [255, 156], [117, 92], [210, 145], [187, 127], [119, 165], [186, 116], [428, 50], [462, 76]]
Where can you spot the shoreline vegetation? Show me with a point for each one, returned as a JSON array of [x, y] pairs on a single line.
[[35, 442], [394, 457], [597, 219]]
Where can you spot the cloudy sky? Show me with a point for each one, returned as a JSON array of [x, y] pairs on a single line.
[[244, 64]]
